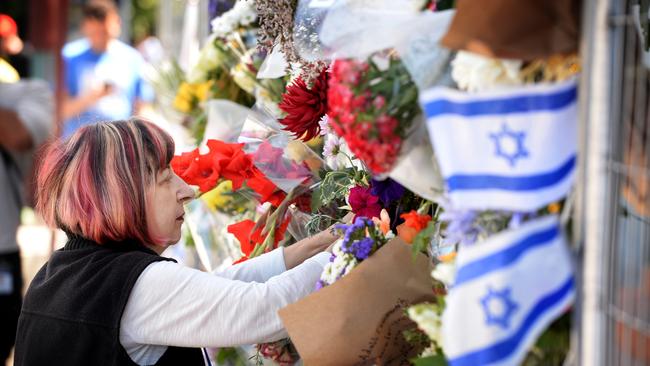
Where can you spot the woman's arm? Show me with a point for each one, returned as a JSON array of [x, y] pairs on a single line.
[[174, 305], [260, 269], [306, 248]]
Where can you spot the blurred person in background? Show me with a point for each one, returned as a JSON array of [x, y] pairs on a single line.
[[102, 74], [26, 120], [10, 44]]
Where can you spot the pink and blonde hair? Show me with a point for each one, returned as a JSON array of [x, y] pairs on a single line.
[[94, 184]]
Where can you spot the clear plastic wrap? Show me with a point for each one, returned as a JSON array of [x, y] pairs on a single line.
[[325, 30], [285, 161], [425, 59], [298, 225], [417, 156], [225, 120], [205, 227], [274, 66]]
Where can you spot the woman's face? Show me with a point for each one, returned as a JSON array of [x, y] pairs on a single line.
[[165, 212]]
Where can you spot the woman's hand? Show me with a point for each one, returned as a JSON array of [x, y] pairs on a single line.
[[308, 247]]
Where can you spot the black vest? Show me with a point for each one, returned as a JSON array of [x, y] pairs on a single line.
[[72, 310]]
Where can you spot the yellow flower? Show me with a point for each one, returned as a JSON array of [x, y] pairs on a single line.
[[217, 198], [182, 105], [202, 90], [183, 99]]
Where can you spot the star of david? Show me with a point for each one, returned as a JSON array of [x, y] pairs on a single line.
[[509, 144], [498, 307]]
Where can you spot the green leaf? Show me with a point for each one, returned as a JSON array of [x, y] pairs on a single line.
[[335, 185], [422, 239], [316, 199], [437, 360]]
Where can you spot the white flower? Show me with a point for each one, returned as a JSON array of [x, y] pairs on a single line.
[[475, 73], [351, 263], [336, 248], [337, 154], [428, 319], [331, 150], [341, 266], [324, 125], [445, 272], [242, 14]]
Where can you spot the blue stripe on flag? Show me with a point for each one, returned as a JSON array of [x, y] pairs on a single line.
[[522, 183], [504, 258], [506, 347], [504, 105]]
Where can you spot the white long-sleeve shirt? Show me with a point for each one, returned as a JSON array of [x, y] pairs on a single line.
[[173, 305]]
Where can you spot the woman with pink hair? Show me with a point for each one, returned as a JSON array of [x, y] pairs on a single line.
[[108, 297]]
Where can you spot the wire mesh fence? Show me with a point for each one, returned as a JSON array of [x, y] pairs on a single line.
[[626, 278]]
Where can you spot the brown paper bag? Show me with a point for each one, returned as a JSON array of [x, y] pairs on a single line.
[[359, 320], [519, 29]]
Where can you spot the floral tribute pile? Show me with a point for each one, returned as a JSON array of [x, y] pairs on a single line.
[[356, 114]]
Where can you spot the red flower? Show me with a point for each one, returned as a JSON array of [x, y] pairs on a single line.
[[362, 117], [180, 163], [267, 190], [196, 169], [249, 239], [243, 231], [229, 161], [233, 163], [303, 202], [305, 107], [363, 202], [270, 157]]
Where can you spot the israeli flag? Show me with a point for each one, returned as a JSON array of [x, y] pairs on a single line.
[[513, 149], [507, 290]]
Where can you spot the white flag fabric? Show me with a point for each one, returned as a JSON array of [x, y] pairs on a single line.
[[507, 290], [513, 149]]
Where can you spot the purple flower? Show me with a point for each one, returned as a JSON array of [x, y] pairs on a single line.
[[387, 190], [319, 285], [362, 248], [460, 227]]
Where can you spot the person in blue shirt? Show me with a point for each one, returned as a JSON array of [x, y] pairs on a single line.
[[102, 74]]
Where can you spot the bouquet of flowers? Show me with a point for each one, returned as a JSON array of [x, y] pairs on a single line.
[[360, 240], [227, 162], [371, 105]]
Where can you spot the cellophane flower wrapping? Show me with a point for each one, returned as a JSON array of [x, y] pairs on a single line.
[[288, 163]]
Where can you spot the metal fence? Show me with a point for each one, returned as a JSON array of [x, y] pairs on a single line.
[[614, 211]]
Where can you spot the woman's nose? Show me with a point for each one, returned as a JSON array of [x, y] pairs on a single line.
[[185, 193]]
